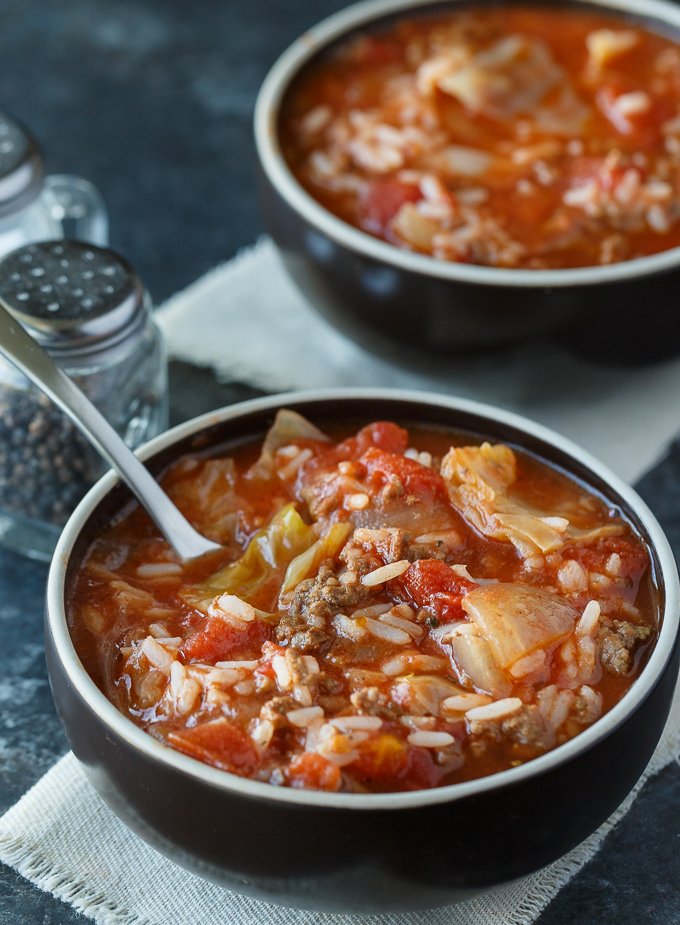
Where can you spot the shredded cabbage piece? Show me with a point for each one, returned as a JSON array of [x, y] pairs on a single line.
[[516, 619], [272, 548], [430, 690], [288, 427], [473, 657], [478, 479]]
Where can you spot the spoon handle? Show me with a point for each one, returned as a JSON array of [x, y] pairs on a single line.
[[21, 350]]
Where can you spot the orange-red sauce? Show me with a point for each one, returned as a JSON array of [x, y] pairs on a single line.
[[132, 589], [442, 136]]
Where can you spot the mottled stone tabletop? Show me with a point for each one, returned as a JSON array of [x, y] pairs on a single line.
[[152, 100]]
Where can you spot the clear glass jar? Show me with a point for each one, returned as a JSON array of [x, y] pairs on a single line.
[[38, 208], [93, 316]]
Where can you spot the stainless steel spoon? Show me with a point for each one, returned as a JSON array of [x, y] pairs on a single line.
[[21, 350]]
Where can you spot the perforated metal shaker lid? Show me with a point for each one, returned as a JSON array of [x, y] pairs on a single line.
[[21, 169], [73, 297]]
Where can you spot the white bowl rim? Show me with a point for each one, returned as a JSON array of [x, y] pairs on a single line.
[[279, 174], [222, 780]]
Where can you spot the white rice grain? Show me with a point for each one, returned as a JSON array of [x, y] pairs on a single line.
[[450, 537], [157, 656], [613, 565], [557, 523], [373, 611], [385, 573], [594, 703], [425, 739], [304, 716], [291, 468], [178, 674], [159, 570], [225, 677], [262, 733], [158, 631], [633, 103], [534, 661], [282, 673], [497, 710], [395, 666], [572, 577], [588, 623], [389, 633], [351, 629], [184, 690], [303, 695], [461, 703], [249, 665], [346, 723], [413, 629], [657, 219], [231, 608], [316, 119]]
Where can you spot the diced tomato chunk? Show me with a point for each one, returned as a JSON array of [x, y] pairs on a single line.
[[219, 743], [215, 638], [382, 200], [417, 480], [314, 772], [384, 435], [381, 434], [633, 556], [383, 757], [421, 772], [432, 584]]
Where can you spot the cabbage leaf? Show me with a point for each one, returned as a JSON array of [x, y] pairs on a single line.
[[288, 427], [516, 619], [479, 478], [286, 537]]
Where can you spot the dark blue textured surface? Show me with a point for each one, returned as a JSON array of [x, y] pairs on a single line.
[[152, 100]]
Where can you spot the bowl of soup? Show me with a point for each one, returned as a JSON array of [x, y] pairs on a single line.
[[449, 177], [435, 652]]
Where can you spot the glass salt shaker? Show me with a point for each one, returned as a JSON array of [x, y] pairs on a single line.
[[89, 309], [38, 208]]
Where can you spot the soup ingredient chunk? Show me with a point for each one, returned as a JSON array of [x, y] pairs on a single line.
[[394, 609], [512, 136]]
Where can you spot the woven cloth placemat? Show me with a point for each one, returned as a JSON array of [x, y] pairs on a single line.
[[247, 321], [63, 838]]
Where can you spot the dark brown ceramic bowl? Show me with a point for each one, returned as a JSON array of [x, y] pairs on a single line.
[[405, 305], [351, 852]]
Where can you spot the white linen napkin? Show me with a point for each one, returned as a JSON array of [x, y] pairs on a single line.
[[247, 321]]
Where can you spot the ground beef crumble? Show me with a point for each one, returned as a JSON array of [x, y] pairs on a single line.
[[525, 728], [315, 601], [275, 711], [616, 644], [370, 701], [369, 549]]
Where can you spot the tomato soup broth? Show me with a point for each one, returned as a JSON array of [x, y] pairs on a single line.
[[392, 610], [520, 137]]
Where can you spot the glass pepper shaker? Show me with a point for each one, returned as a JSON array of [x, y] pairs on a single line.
[[89, 309], [38, 208]]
